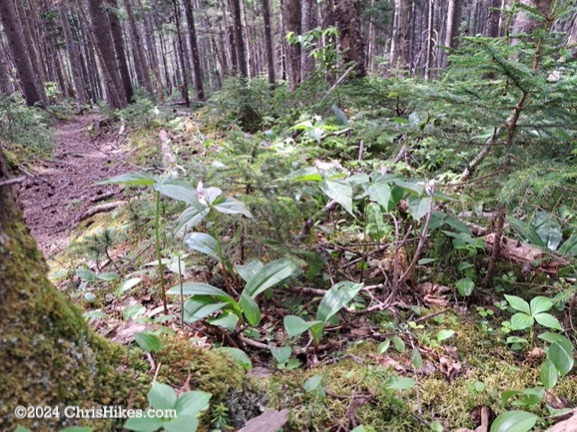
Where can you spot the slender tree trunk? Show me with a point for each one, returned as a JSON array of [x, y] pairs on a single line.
[[118, 39], [184, 87], [401, 36], [32, 86], [5, 84], [73, 56], [429, 49], [292, 23], [494, 15], [196, 64], [268, 41], [138, 51], [239, 38], [105, 46], [453, 22]]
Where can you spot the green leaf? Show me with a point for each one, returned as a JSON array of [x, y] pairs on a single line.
[[514, 421], [203, 243], [540, 304], [521, 321], [295, 326], [86, 274], [269, 275], [518, 304], [162, 396], [360, 428], [549, 374], [182, 423], [401, 383], [233, 206], [465, 286], [561, 357], [313, 383], [248, 270], [419, 207], [225, 320], [239, 355], [384, 346], [339, 191], [556, 337], [191, 217], [281, 355], [416, 359], [144, 424], [444, 334], [380, 192], [337, 298], [108, 276], [399, 344], [132, 179], [194, 289], [317, 330], [199, 308], [250, 309], [148, 342], [549, 321], [192, 402], [178, 189], [129, 284]]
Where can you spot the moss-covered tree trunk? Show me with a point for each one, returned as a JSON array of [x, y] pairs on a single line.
[[50, 357]]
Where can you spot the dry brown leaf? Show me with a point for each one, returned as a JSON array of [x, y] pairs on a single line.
[[567, 425]]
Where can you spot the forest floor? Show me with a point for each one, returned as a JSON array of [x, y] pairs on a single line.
[[61, 191]]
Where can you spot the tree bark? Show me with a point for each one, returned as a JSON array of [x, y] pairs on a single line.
[[268, 41], [118, 39], [401, 36], [453, 22], [196, 64], [492, 24], [32, 86], [239, 38], [138, 52], [523, 24], [292, 23], [348, 19], [105, 46]]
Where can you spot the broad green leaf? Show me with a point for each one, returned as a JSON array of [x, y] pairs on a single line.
[[233, 206], [86, 274], [540, 304], [281, 355], [521, 321], [415, 187], [380, 192], [239, 355], [148, 342], [556, 337], [444, 334], [401, 383], [250, 309], [549, 374], [518, 304], [269, 275], [399, 344], [514, 421], [132, 179], [416, 359], [465, 286], [225, 320], [96, 314], [295, 326], [199, 308], [144, 424], [203, 243], [133, 311], [129, 284], [313, 383], [339, 191], [191, 217], [179, 190], [569, 247], [192, 402], [248, 270], [108, 276], [162, 396], [337, 298], [561, 358], [191, 288], [384, 346], [419, 207], [549, 321]]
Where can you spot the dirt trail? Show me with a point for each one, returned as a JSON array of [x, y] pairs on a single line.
[[62, 189]]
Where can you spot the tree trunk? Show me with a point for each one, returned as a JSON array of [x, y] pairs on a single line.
[[197, 66], [32, 86], [453, 22], [401, 36], [429, 49], [492, 24], [184, 87], [138, 52], [239, 38], [74, 58], [523, 24], [268, 41], [308, 23], [105, 46], [348, 19], [118, 39], [6, 86], [292, 23]]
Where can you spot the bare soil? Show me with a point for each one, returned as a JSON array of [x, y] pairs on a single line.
[[62, 189]]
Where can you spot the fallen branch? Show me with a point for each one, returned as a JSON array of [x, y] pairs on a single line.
[[102, 208], [12, 181]]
